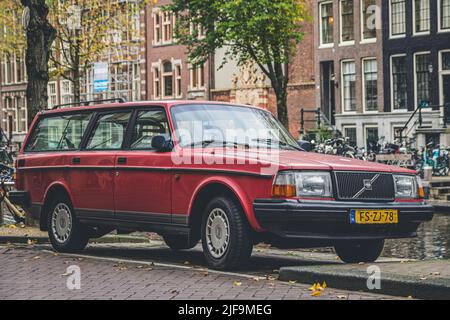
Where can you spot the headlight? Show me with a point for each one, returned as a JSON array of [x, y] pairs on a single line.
[[303, 184], [407, 187]]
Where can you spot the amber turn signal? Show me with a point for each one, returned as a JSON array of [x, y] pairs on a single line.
[[284, 191]]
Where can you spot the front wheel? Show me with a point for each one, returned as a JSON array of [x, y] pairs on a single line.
[[226, 235], [359, 251], [66, 234]]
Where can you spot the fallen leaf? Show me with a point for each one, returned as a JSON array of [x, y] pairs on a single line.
[[410, 298], [237, 283], [292, 282], [423, 278], [36, 257], [187, 263], [12, 226], [316, 293], [324, 285], [342, 297], [31, 242], [435, 273], [66, 274], [313, 287]]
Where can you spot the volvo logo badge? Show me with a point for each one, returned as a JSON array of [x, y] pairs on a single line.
[[368, 183]]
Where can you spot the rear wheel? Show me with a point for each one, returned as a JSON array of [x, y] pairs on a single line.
[[65, 232], [359, 251], [226, 235], [179, 242]]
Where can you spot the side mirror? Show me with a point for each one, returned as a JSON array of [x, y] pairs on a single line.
[[162, 143], [305, 145]]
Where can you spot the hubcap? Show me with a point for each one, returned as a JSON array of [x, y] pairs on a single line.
[[61, 222], [217, 232]]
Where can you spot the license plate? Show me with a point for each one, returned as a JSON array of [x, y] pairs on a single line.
[[378, 216]]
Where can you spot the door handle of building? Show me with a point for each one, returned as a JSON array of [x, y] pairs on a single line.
[[76, 160], [121, 160]]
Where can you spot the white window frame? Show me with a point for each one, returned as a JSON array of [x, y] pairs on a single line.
[[51, 83], [366, 40], [397, 36], [66, 94], [198, 71], [421, 33], [167, 74], [368, 126], [157, 28], [442, 73], [363, 83], [321, 44], [342, 87], [350, 126], [164, 23], [178, 77], [415, 77], [156, 81], [440, 29], [391, 69], [341, 24]]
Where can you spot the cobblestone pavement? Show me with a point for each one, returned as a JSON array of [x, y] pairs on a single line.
[[34, 272]]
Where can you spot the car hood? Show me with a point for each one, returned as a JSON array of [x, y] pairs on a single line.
[[299, 160]]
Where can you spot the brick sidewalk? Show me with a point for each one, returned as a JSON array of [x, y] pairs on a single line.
[[32, 273]]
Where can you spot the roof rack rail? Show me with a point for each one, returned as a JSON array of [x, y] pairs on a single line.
[[87, 103]]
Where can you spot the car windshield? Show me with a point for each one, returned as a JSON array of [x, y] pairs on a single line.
[[230, 126]]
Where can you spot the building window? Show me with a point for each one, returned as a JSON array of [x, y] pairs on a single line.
[[20, 115], [370, 79], [8, 68], [156, 28], [178, 93], [350, 134], [52, 94], [348, 87], [399, 83], [369, 28], [398, 16], [423, 79], [167, 27], [371, 135], [167, 79], [19, 68], [421, 16], [197, 78], [347, 25], [66, 91], [326, 23], [444, 9], [156, 83], [445, 61]]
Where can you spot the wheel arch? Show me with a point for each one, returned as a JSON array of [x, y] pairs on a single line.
[[214, 187], [56, 188]]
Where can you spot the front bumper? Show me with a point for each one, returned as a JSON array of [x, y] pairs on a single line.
[[330, 220]]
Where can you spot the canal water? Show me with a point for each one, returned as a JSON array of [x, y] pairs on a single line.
[[433, 242]]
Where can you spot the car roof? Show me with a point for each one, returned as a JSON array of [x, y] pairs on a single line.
[[163, 103]]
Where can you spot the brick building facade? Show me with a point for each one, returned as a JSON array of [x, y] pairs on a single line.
[[170, 76]]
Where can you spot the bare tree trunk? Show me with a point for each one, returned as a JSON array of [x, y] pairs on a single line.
[[40, 36]]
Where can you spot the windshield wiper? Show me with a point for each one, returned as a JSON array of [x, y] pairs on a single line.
[[206, 143], [272, 142]]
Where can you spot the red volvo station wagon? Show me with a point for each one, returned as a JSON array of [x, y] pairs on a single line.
[[228, 175]]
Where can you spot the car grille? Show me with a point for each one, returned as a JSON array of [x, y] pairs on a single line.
[[364, 186]]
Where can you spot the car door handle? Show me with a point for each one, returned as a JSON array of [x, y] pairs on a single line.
[[121, 160], [76, 160]]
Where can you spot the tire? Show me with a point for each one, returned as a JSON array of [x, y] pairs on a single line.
[[179, 242], [226, 235], [66, 233], [361, 251]]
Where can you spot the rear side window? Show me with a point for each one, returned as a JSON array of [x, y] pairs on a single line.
[[58, 133], [109, 131], [149, 124]]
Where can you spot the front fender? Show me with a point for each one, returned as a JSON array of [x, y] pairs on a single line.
[[238, 191]]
